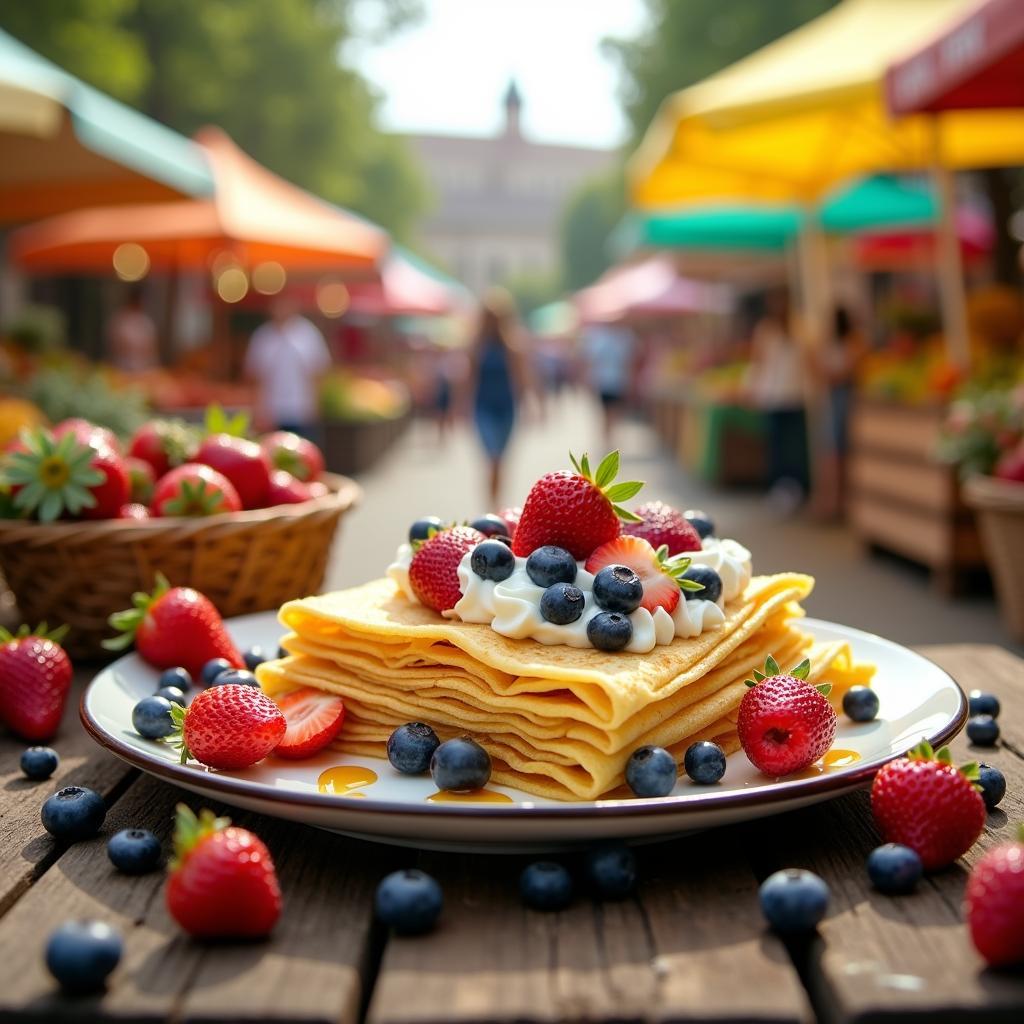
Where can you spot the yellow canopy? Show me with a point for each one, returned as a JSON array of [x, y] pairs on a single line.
[[808, 111]]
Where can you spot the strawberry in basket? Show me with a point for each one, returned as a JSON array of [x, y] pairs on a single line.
[[174, 626]]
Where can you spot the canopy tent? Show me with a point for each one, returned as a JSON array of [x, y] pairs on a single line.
[[914, 248], [977, 63], [253, 217], [409, 286], [554, 320], [67, 145], [653, 288], [877, 202]]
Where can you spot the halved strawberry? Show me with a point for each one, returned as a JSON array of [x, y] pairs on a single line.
[[660, 575], [314, 719]]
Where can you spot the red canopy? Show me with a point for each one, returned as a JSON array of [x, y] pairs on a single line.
[[976, 64], [915, 247]]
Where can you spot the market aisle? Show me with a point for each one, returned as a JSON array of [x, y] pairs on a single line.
[[878, 594]]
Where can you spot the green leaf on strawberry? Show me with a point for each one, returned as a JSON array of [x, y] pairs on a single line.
[[603, 478], [217, 421], [801, 671], [924, 751], [128, 621], [189, 830], [42, 631]]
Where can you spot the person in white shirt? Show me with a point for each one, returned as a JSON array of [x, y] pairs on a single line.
[[286, 358], [608, 349], [131, 335]]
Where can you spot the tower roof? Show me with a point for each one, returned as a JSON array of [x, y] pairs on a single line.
[[513, 98]]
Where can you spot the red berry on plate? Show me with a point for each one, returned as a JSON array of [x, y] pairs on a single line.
[[294, 454], [222, 882], [662, 524], [994, 904], [243, 462], [284, 489], [35, 676], [174, 626], [433, 572], [576, 511], [659, 574], [229, 727], [925, 802], [314, 720], [784, 723], [194, 490]]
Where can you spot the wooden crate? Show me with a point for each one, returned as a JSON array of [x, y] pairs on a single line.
[[902, 499]]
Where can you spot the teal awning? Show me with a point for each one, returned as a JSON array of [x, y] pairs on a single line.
[[879, 202]]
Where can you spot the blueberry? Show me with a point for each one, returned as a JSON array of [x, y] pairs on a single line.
[[81, 955], [420, 530], [212, 669], [562, 603], [700, 522], [460, 764], [860, 704], [38, 763], [618, 589], [490, 525], [492, 560], [411, 746], [609, 631], [651, 771], [981, 703], [172, 694], [894, 869], [611, 870], [550, 565], [794, 900], [151, 718], [73, 813], [704, 762], [708, 579], [545, 885], [236, 677], [409, 901], [254, 657], [993, 785], [179, 677], [134, 851], [983, 730]]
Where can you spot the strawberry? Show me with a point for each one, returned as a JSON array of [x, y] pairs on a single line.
[[174, 626], [164, 444], [576, 511], [133, 510], [925, 802], [661, 576], [511, 515], [285, 489], [222, 882], [243, 462], [784, 723], [230, 726], [114, 490], [141, 479], [662, 524], [314, 719], [35, 676], [295, 454], [87, 433], [433, 572], [194, 490], [994, 904]]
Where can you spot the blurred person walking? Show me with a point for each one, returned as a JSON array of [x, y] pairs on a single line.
[[286, 359], [775, 383], [608, 350], [497, 378], [131, 335]]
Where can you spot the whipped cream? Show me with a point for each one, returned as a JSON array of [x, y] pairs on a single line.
[[730, 559], [398, 570]]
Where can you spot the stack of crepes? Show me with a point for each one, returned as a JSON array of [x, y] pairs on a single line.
[[559, 722]]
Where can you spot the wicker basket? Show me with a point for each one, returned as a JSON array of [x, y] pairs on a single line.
[[999, 508], [78, 573]]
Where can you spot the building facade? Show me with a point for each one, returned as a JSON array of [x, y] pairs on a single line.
[[498, 201]]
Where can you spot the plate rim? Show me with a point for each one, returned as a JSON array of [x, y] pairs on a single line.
[[632, 807]]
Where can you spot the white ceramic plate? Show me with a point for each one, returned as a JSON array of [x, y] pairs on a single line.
[[918, 700]]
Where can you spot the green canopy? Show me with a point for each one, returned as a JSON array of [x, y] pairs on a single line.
[[876, 202], [554, 319]]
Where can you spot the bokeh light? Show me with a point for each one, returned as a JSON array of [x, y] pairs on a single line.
[[268, 278], [332, 298], [131, 262], [232, 285]]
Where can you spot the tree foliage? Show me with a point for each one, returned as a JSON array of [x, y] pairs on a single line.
[[269, 72], [589, 218]]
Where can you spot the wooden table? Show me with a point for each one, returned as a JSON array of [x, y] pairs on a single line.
[[690, 946]]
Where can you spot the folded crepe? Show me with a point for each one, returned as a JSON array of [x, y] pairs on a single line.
[[558, 721]]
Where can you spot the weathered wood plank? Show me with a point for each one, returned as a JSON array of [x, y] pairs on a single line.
[[310, 970]]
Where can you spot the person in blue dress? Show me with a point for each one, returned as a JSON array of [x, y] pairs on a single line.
[[497, 379]]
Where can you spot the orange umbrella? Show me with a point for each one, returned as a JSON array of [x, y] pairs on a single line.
[[254, 217]]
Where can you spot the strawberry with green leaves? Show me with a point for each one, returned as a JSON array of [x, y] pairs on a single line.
[[35, 676], [193, 490], [578, 511], [661, 577]]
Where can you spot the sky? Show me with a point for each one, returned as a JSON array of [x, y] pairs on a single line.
[[448, 72]]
